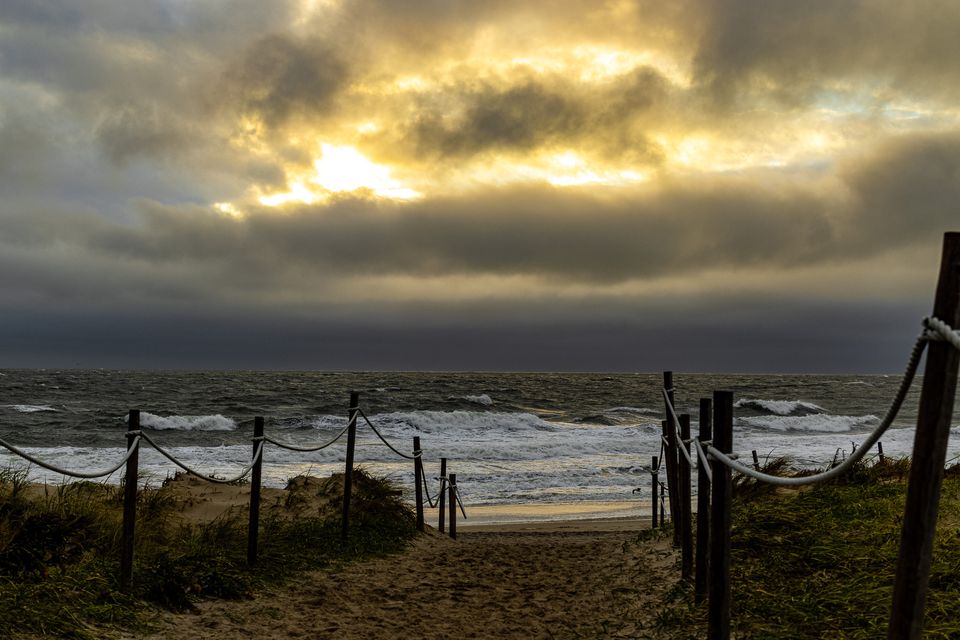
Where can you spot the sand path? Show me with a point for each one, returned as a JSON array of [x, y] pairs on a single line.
[[569, 581]]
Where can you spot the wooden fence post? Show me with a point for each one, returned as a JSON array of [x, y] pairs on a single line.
[[703, 508], [756, 460], [654, 481], [253, 530], [443, 496], [880, 451], [130, 481], [348, 467], [417, 476], [673, 474], [686, 522], [929, 454], [718, 621], [453, 505]]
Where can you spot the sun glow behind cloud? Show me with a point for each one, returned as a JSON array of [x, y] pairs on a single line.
[[341, 169]]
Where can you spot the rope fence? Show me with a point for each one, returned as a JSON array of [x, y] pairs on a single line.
[[135, 437], [715, 463]]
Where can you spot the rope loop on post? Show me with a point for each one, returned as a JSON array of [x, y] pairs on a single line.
[[938, 330]]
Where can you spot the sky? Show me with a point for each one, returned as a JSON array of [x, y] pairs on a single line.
[[574, 185]]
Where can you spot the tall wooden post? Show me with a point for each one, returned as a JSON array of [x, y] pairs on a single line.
[[673, 475], [443, 494], [130, 501], [880, 451], [253, 529], [418, 480], [453, 505], [718, 618], [929, 454], [686, 522], [703, 508], [348, 467], [654, 482]]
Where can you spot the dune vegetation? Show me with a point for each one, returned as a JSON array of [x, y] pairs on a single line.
[[59, 549]]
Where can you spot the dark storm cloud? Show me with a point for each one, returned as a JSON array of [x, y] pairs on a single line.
[[473, 118], [795, 50], [280, 76], [742, 334], [880, 205]]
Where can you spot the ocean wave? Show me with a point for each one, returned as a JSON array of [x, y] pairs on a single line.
[[816, 423], [461, 421], [639, 410], [482, 399], [779, 407], [187, 423], [30, 408]]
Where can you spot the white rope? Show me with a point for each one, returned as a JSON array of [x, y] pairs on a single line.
[[243, 472], [290, 447], [854, 457], [74, 474], [704, 463], [426, 490], [942, 331], [456, 493], [676, 424], [416, 454]]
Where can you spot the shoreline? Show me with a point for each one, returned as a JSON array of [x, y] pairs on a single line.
[[549, 516]]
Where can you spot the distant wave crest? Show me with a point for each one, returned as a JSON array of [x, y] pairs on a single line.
[[30, 408], [812, 423], [187, 423], [780, 407]]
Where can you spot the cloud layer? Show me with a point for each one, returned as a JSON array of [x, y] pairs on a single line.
[[633, 158]]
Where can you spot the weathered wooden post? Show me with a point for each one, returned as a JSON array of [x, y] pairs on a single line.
[[929, 454], [880, 451], [718, 620], [756, 460], [686, 522], [130, 501], [703, 508], [654, 481], [253, 530], [443, 495], [671, 452], [418, 480], [452, 483], [348, 467]]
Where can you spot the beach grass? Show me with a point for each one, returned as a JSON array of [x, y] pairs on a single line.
[[59, 549], [820, 562]]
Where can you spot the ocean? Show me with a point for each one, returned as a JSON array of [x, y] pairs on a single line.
[[511, 438]]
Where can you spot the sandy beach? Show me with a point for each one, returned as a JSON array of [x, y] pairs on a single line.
[[575, 578]]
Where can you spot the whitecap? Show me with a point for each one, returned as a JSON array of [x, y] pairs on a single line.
[[779, 407], [483, 399], [30, 408], [818, 423], [187, 423]]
